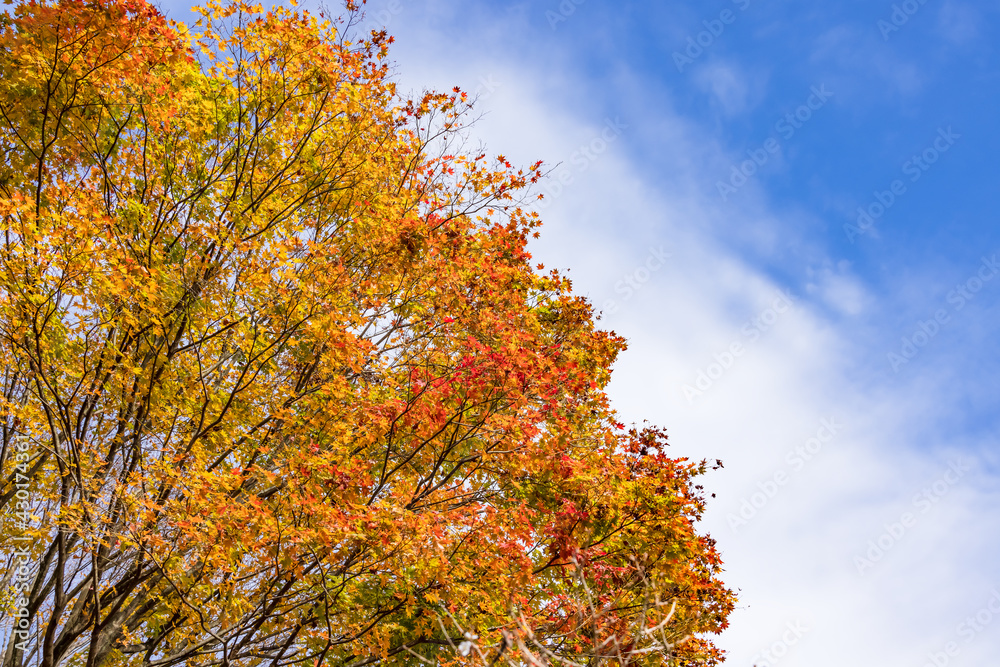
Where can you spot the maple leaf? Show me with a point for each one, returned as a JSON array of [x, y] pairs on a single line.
[[227, 248]]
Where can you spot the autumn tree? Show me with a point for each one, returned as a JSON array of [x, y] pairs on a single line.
[[280, 384]]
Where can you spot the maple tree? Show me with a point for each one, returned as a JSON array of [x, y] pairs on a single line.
[[280, 383]]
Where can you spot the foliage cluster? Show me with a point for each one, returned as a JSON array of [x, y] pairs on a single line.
[[280, 384]]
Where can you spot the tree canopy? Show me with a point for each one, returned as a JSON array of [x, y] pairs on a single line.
[[280, 382]]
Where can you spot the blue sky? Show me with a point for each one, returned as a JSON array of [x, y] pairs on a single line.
[[848, 380]]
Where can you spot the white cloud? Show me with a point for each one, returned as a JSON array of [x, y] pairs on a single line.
[[734, 90], [840, 290], [794, 560]]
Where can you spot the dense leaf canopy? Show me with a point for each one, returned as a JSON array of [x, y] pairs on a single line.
[[280, 384]]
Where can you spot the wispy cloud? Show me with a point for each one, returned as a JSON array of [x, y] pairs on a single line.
[[654, 186]]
